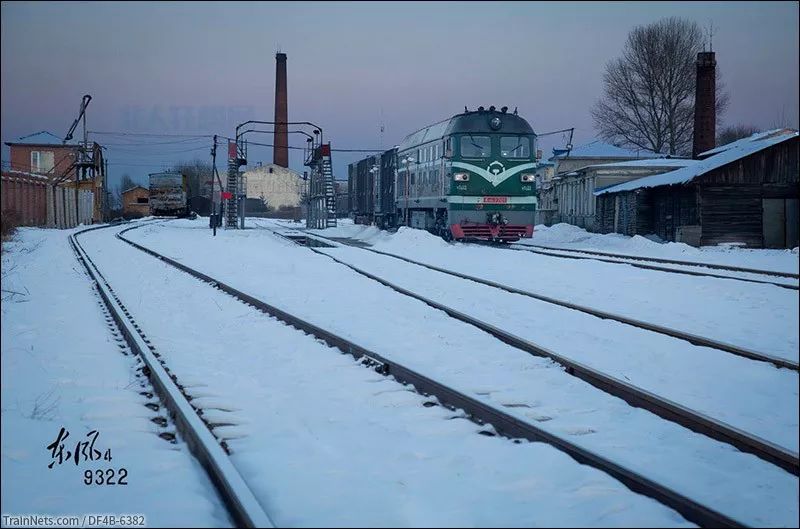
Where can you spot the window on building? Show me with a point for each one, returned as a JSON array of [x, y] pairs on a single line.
[[475, 146], [142, 200], [42, 161], [270, 170]]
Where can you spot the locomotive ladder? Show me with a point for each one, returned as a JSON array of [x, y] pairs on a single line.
[[330, 192]]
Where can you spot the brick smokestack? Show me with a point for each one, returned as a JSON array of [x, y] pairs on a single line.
[[281, 149], [705, 115]]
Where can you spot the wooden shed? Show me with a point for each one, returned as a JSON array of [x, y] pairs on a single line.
[[744, 192], [136, 202]]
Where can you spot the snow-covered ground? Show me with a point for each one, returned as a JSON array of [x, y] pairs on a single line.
[[753, 396], [572, 237], [61, 367], [569, 236], [760, 317], [325, 442], [334, 297]]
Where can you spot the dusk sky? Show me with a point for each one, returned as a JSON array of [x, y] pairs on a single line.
[[200, 68]]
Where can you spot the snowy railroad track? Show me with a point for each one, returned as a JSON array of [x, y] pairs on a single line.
[[715, 266], [749, 275], [532, 389], [242, 504], [675, 333], [633, 395], [479, 412]]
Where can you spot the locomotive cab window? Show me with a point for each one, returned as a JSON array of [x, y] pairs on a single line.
[[515, 147], [475, 146]]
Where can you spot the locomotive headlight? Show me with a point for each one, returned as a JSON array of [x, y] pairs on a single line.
[[461, 177], [528, 178]]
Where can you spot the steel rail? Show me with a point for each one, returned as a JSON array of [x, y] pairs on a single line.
[[689, 337], [637, 397], [671, 261], [240, 500], [480, 412], [652, 267]]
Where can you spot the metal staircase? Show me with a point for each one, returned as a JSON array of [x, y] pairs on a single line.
[[330, 192], [321, 189], [231, 213]]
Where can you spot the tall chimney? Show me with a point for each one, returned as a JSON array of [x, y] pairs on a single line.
[[705, 115], [281, 143]]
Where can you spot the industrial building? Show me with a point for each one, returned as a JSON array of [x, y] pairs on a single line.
[[45, 183], [565, 190], [274, 185], [571, 196]]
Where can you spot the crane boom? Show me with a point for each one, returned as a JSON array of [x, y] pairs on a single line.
[[84, 104]]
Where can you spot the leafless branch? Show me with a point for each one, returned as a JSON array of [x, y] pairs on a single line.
[[648, 99]]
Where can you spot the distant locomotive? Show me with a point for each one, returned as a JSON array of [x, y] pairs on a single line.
[[470, 176], [168, 196]]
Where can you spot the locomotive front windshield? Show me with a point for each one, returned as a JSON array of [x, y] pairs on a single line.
[[515, 147], [480, 146], [475, 146]]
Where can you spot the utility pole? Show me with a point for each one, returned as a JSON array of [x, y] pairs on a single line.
[[84, 161], [212, 215]]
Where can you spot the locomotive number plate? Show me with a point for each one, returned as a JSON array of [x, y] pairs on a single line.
[[495, 200]]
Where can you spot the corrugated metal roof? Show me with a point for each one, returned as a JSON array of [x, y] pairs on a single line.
[[689, 173]]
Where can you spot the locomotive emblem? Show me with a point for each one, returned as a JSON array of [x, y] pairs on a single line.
[[496, 168]]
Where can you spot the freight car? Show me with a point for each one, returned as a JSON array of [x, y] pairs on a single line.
[[470, 176], [168, 196]]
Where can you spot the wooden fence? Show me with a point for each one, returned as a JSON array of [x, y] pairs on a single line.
[[30, 200]]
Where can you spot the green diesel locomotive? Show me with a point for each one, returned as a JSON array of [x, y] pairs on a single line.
[[468, 177]]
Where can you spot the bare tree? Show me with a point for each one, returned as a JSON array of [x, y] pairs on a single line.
[[732, 133], [125, 183], [648, 99], [198, 176]]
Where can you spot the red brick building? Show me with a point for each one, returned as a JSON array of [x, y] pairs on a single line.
[[45, 154]]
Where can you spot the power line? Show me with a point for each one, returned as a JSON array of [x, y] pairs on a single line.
[[138, 151], [159, 135], [303, 148], [146, 144], [219, 137]]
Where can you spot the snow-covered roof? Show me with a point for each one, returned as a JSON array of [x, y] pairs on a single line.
[[755, 137], [42, 137], [134, 187], [648, 162], [599, 149], [690, 172]]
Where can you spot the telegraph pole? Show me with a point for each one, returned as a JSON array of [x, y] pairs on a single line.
[[213, 215]]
